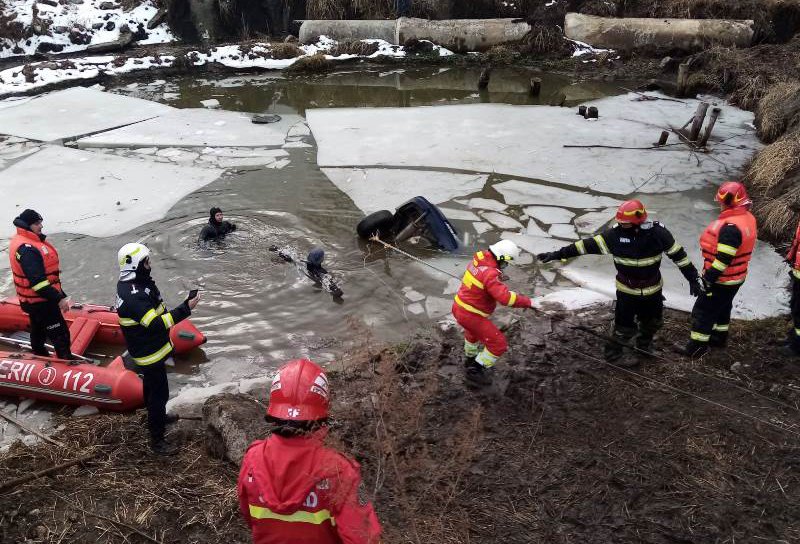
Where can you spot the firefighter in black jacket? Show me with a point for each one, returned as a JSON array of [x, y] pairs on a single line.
[[36, 270], [145, 323], [636, 246]]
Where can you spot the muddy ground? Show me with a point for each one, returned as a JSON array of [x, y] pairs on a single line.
[[564, 448]]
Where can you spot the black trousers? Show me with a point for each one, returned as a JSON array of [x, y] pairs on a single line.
[[156, 395], [711, 315], [794, 304], [634, 314], [47, 322]]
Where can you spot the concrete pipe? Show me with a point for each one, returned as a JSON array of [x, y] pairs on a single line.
[[348, 31], [680, 34], [462, 35]]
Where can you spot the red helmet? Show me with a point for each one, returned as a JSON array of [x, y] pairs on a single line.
[[632, 212], [299, 392], [733, 194]]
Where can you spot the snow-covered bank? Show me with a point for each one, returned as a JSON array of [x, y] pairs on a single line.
[[64, 27], [258, 56]]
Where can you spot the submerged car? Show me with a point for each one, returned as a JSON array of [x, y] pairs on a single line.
[[416, 217]]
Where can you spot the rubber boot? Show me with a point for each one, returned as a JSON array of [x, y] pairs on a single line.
[[614, 349], [469, 361], [477, 375], [694, 349], [163, 447], [718, 340]]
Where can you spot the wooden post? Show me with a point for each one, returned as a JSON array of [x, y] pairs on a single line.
[[662, 141], [683, 79], [483, 80], [536, 86], [711, 122], [697, 122]]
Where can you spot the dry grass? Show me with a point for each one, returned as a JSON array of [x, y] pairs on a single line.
[[774, 179], [778, 110], [285, 50], [311, 64], [363, 49]]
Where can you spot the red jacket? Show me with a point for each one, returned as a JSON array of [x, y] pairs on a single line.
[[481, 288], [297, 491]]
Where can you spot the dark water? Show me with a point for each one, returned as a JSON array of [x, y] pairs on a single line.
[[257, 310]]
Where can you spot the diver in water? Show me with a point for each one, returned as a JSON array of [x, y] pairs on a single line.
[[217, 227], [313, 267]]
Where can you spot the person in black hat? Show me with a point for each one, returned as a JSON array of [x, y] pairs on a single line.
[[217, 227], [35, 266]]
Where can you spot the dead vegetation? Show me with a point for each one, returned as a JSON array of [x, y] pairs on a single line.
[[360, 48], [285, 51], [563, 449], [314, 64], [778, 111]]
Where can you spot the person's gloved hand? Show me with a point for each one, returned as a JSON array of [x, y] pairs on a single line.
[[64, 304], [547, 257], [697, 287]]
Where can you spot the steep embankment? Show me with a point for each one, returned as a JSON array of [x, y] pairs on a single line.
[[564, 449]]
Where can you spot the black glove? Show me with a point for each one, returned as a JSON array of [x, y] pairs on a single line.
[[697, 287], [547, 257]]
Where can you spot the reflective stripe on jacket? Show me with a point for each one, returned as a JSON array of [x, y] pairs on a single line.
[[26, 292], [481, 288], [294, 490], [735, 272]]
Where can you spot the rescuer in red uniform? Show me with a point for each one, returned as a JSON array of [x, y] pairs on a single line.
[[35, 266], [727, 245], [293, 489], [793, 258], [481, 289]]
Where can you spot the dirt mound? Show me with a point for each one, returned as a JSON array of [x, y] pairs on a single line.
[[566, 449], [563, 448]]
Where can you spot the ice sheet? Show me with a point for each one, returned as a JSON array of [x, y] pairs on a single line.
[[75, 112], [196, 128], [529, 141], [591, 222], [550, 215], [571, 299], [461, 215], [373, 189], [534, 244], [486, 204], [95, 194], [563, 231], [501, 221], [525, 192]]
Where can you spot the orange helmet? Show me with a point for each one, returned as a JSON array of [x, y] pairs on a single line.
[[632, 212], [299, 392], [733, 194]]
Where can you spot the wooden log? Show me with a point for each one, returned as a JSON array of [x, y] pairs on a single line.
[[10, 484], [711, 122], [697, 122], [662, 140], [536, 86], [683, 79], [483, 80]]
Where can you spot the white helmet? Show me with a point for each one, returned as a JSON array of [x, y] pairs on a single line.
[[130, 255], [505, 250]]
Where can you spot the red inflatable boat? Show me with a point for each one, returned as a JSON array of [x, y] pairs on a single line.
[[109, 388], [88, 322]]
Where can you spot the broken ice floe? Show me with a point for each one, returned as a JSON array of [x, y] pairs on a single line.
[[373, 189], [549, 214], [195, 128], [91, 193], [530, 141], [75, 112]]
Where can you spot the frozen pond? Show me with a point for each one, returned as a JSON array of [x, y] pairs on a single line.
[[493, 160]]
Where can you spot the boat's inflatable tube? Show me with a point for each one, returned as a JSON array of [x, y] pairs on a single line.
[[184, 335], [108, 388]]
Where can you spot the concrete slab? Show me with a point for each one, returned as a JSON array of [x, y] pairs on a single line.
[[196, 128], [95, 194], [75, 112]]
